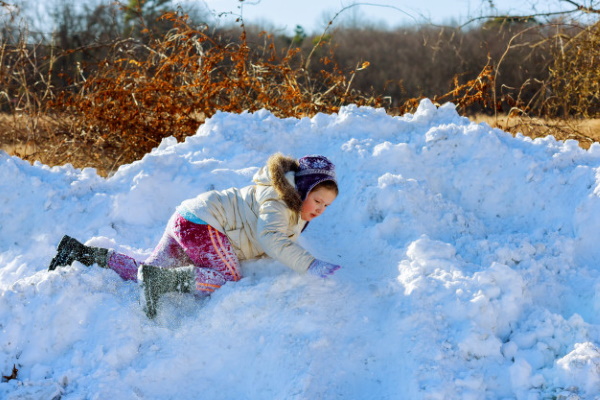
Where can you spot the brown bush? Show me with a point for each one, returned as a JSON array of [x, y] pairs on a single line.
[[143, 93]]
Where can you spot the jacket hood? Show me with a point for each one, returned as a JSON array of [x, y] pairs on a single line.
[[274, 174]]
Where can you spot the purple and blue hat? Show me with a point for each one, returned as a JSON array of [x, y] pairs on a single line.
[[313, 170]]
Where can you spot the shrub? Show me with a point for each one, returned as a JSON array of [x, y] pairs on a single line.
[[145, 92], [574, 82]]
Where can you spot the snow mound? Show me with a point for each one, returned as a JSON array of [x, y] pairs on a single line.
[[470, 269]]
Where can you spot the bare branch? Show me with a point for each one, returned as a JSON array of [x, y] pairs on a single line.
[[581, 7], [578, 8]]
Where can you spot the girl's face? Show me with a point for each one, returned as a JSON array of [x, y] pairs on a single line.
[[316, 202]]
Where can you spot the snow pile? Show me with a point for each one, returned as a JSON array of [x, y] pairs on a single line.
[[470, 270]]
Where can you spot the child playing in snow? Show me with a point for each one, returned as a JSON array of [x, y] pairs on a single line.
[[208, 235]]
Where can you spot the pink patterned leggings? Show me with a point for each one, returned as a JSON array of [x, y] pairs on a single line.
[[186, 243]]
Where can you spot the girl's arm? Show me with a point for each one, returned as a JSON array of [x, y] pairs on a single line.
[[273, 235]]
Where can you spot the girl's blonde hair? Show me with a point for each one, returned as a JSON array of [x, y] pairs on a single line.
[[329, 184]]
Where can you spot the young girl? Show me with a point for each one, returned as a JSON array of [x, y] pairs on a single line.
[[207, 236]]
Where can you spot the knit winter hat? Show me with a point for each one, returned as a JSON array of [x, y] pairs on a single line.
[[313, 170]]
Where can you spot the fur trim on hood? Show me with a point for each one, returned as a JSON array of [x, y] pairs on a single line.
[[278, 165]]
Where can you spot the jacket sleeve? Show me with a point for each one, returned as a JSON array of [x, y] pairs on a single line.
[[275, 236]]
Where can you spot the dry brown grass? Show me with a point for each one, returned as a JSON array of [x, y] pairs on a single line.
[[585, 131], [50, 141]]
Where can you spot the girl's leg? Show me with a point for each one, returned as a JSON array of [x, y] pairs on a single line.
[[188, 243], [167, 254], [126, 267], [70, 250], [211, 252]]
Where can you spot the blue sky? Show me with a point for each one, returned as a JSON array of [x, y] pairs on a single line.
[[314, 14]]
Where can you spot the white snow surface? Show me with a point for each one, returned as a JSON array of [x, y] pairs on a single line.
[[470, 269]]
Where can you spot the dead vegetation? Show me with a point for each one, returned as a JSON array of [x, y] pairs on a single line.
[[584, 131], [109, 102]]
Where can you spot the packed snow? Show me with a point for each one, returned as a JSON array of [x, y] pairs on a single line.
[[470, 269]]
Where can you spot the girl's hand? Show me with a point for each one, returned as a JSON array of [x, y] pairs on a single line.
[[322, 268]]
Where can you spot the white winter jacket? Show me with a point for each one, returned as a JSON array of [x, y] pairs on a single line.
[[261, 219]]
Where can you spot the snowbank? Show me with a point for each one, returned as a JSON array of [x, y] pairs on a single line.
[[470, 269]]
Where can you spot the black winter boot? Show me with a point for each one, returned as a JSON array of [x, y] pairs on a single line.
[[70, 250], [158, 281]]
